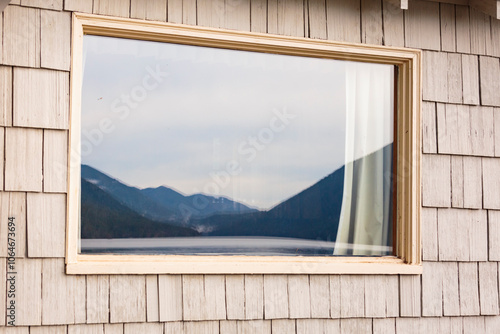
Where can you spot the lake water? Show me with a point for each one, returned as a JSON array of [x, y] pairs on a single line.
[[216, 246]]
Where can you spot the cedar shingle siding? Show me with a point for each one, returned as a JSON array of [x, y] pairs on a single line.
[[458, 291]]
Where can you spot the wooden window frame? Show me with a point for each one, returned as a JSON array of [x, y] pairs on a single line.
[[407, 259]]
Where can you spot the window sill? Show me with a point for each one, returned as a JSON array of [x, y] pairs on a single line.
[[178, 264]]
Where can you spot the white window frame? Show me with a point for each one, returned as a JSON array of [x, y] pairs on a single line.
[[408, 150]]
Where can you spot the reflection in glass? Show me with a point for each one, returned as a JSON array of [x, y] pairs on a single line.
[[196, 150]]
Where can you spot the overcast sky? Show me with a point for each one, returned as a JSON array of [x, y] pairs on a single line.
[[202, 114]]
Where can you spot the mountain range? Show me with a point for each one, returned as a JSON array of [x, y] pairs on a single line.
[[162, 211], [155, 212], [112, 209], [161, 204], [311, 214], [104, 217], [197, 205]]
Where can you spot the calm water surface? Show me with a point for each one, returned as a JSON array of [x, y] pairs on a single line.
[[214, 246]]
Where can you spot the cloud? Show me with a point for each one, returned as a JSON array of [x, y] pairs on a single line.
[[212, 102]]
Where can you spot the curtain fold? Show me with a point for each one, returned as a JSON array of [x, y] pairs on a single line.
[[365, 225]]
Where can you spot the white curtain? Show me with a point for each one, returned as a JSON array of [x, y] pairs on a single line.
[[365, 226]]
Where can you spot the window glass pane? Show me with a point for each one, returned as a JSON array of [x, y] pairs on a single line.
[[197, 150]]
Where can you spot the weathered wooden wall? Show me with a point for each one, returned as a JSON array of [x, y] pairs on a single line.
[[459, 289]]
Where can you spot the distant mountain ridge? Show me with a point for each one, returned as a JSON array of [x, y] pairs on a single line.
[[198, 205], [128, 196], [103, 217], [162, 204], [313, 213]]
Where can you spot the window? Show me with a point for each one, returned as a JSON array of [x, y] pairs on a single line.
[[205, 151]]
